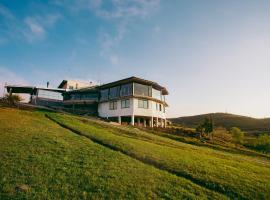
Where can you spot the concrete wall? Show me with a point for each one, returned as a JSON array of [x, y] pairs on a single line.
[[104, 111]]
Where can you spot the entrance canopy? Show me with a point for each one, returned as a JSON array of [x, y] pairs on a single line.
[[28, 89]]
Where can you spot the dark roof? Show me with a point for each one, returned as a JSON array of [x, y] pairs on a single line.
[[29, 89], [20, 89], [136, 80]]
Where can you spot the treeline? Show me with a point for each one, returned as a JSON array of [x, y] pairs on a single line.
[[261, 143]]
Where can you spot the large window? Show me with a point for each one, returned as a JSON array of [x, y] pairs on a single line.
[[126, 90], [142, 90], [114, 92], [143, 103], [89, 96], [113, 105], [156, 94], [50, 94], [125, 103], [104, 94]]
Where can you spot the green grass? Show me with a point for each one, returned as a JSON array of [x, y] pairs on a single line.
[[234, 175], [55, 163]]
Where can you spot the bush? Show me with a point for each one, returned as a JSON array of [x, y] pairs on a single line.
[[262, 143], [238, 135], [11, 99]]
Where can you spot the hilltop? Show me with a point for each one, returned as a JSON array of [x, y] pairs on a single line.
[[49, 155], [227, 120]]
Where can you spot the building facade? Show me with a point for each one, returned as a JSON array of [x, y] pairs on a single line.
[[133, 100]]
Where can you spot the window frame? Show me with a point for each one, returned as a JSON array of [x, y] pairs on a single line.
[[113, 105], [143, 103], [125, 105]]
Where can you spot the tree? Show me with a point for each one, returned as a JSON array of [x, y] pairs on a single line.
[[238, 135], [12, 99], [206, 127], [263, 143]]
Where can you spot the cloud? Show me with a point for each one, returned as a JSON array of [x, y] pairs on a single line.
[[36, 30], [122, 14], [127, 8], [29, 28]]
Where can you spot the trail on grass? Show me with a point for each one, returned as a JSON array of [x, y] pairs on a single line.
[[143, 160]]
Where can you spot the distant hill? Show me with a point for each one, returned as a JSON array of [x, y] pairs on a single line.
[[227, 120]]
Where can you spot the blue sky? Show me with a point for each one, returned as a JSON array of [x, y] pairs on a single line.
[[212, 55]]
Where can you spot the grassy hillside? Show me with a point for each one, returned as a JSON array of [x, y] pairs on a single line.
[[227, 121], [62, 156]]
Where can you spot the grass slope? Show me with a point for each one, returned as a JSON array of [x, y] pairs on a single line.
[[55, 163], [234, 175], [227, 121]]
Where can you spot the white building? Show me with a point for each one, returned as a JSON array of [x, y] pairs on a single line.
[[133, 101]]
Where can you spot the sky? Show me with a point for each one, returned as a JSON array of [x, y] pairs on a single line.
[[211, 55]]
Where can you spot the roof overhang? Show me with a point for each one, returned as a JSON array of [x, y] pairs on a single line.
[[29, 89], [20, 89]]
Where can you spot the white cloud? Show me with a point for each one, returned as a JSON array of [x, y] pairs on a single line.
[[29, 28], [36, 30], [127, 8]]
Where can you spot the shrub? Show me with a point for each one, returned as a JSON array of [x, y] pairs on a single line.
[[11, 99], [262, 143], [238, 135]]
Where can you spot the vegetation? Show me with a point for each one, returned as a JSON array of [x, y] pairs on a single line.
[[236, 176], [237, 135], [41, 160], [11, 99], [87, 158], [206, 127], [227, 121], [261, 143]]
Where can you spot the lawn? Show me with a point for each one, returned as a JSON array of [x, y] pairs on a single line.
[[233, 175], [41, 160]]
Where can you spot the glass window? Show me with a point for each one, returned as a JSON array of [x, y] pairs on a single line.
[[142, 90], [113, 105], [156, 94], [71, 87], [114, 92], [125, 103], [126, 90], [50, 94], [160, 107], [143, 103], [104, 94], [89, 96]]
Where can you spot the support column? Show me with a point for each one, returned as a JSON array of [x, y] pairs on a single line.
[[144, 122], [132, 120], [119, 120], [165, 125], [138, 121], [152, 122], [157, 121]]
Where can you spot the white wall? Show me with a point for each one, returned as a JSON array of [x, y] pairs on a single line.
[[104, 111]]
